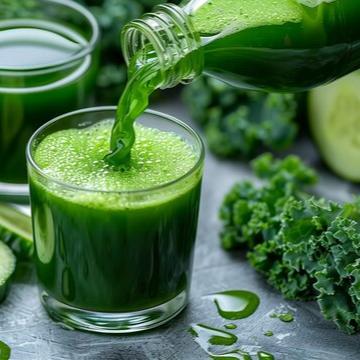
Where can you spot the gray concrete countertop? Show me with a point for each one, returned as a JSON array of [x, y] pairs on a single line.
[[25, 327]]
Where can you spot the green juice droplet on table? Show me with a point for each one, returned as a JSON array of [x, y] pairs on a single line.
[[288, 317], [262, 355], [284, 317], [206, 336], [235, 304], [230, 326], [269, 333]]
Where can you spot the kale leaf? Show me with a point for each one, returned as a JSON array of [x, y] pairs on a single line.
[[241, 123], [250, 213], [305, 247]]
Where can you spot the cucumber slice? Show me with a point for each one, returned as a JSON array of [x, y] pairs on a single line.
[[15, 230], [5, 351], [334, 113], [7, 267]]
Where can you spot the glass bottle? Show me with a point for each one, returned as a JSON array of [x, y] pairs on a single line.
[[275, 45]]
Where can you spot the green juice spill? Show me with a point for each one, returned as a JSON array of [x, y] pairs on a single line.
[[235, 304], [262, 355], [206, 336], [230, 326], [286, 317], [268, 333]]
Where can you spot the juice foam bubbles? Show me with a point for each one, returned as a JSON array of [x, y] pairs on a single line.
[[218, 15], [76, 157]]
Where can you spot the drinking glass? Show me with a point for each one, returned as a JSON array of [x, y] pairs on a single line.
[[114, 261], [48, 64]]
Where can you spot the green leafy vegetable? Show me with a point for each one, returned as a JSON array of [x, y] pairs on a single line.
[[241, 123], [307, 248], [250, 213]]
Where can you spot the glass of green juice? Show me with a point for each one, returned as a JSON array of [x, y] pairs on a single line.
[[114, 246], [48, 64]]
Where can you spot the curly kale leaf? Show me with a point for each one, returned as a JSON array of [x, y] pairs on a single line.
[[338, 276], [295, 248], [307, 248], [241, 123], [250, 213]]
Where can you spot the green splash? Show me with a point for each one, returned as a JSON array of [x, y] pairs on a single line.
[[230, 326], [268, 333], [262, 355], [206, 336], [235, 304], [284, 317]]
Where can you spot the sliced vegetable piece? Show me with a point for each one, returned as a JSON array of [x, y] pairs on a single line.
[[5, 351], [7, 267], [334, 113], [16, 231]]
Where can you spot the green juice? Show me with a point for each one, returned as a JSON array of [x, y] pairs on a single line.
[[101, 244], [286, 45], [33, 89]]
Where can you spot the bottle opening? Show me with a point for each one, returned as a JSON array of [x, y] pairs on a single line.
[[166, 36]]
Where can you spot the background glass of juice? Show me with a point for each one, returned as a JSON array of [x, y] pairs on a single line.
[[48, 63], [112, 261]]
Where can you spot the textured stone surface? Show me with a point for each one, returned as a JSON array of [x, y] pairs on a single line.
[[32, 336]]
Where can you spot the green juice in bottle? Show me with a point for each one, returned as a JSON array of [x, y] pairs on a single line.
[[277, 45]]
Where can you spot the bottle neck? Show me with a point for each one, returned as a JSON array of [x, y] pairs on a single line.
[[166, 36]]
